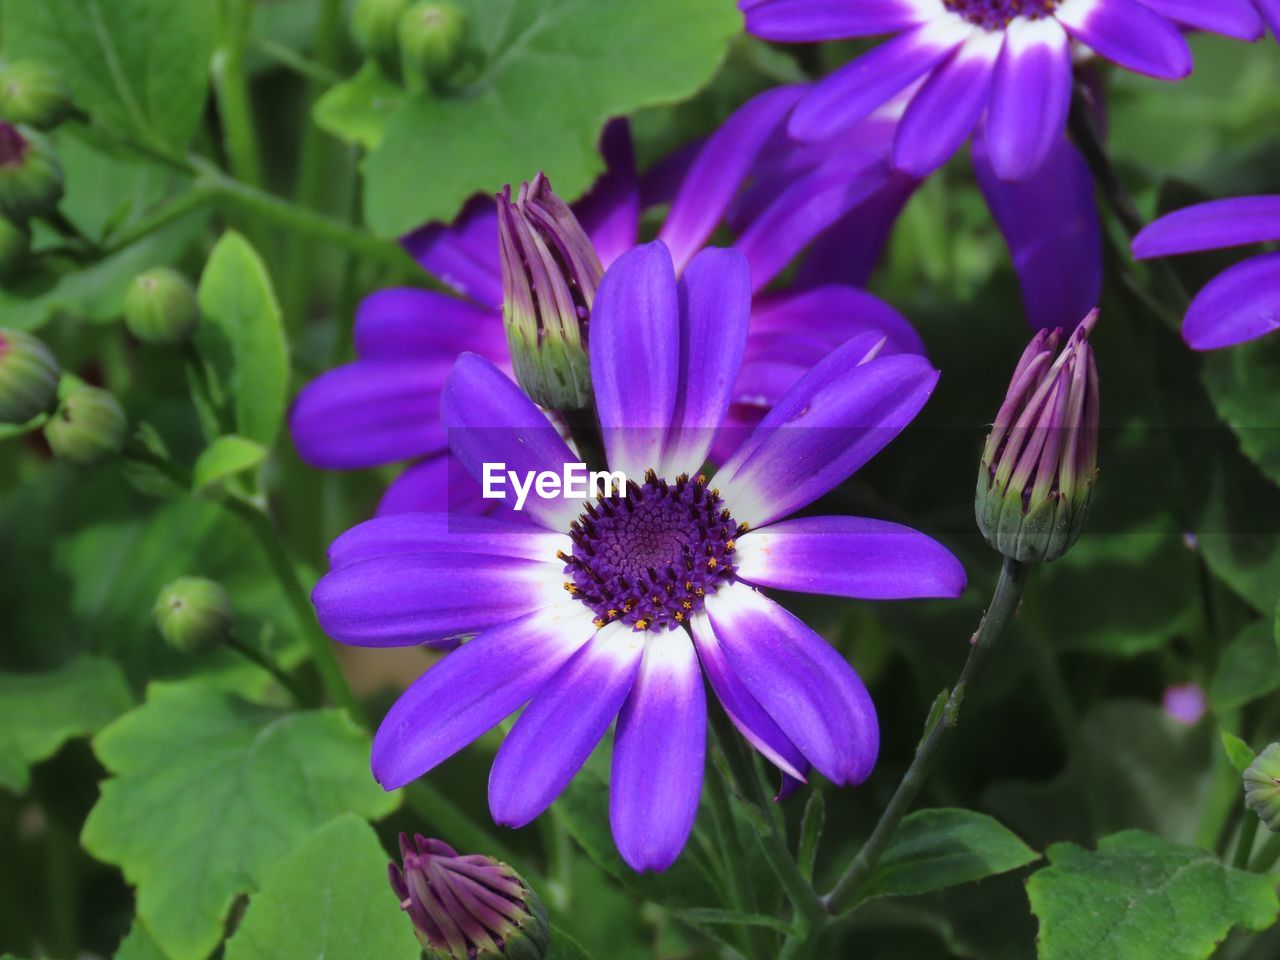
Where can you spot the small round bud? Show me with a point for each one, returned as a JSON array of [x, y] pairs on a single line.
[[194, 615], [33, 93], [30, 175], [15, 244], [1262, 787], [161, 307], [374, 24], [28, 377], [433, 40], [89, 425], [467, 907]]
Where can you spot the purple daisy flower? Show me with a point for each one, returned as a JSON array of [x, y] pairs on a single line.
[[383, 408], [1009, 61], [617, 606], [1243, 302]]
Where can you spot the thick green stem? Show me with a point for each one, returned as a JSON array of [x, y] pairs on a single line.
[[231, 91], [1004, 604], [1267, 855], [260, 659], [1244, 842]]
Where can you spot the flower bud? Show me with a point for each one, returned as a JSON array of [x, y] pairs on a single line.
[[433, 40], [1262, 787], [374, 24], [88, 426], [161, 307], [1040, 461], [30, 175], [33, 93], [193, 615], [28, 377], [466, 907], [550, 272], [15, 244]]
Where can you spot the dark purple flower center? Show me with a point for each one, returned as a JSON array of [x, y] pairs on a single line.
[[997, 14], [651, 556], [13, 145]]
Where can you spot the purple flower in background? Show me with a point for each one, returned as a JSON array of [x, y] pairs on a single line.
[[383, 408], [1008, 61], [1243, 302], [618, 606], [1185, 703]]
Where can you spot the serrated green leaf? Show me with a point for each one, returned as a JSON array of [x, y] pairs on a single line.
[[208, 792], [39, 712], [328, 898], [223, 459], [933, 849], [140, 67], [1138, 895], [242, 338], [1249, 668], [357, 109], [1239, 753], [556, 71]]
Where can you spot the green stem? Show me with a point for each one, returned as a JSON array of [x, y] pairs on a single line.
[[231, 91], [320, 645], [734, 872], [449, 822], [584, 430], [316, 71], [186, 202], [259, 659], [1244, 842], [1004, 604], [1267, 855]]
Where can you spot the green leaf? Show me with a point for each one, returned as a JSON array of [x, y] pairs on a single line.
[[1140, 896], [223, 459], [933, 849], [242, 337], [564, 947], [137, 66], [1249, 668], [713, 917], [357, 109], [139, 945], [328, 898], [39, 712], [208, 792], [556, 71], [1244, 385], [1239, 753]]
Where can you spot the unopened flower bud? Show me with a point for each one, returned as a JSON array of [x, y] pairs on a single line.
[[1040, 461], [30, 175], [375, 24], [33, 93], [193, 615], [1262, 787], [89, 425], [433, 40], [467, 907], [15, 244], [161, 307], [550, 272], [28, 377]]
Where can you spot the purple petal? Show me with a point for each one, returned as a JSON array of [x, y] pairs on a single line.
[[818, 320], [715, 306], [402, 323], [1050, 222], [437, 483], [808, 689], [559, 729], [1231, 18], [719, 170], [1270, 10], [946, 109], [743, 709], [404, 534], [490, 420], [1127, 33], [804, 21], [1241, 304], [848, 251], [473, 689], [610, 212], [1030, 97], [635, 351], [658, 755], [405, 599], [463, 255], [849, 557], [854, 91], [825, 427], [369, 413], [1211, 226]]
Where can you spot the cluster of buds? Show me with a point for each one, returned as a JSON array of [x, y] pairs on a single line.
[[550, 273], [193, 615], [1039, 464], [467, 907], [30, 186], [28, 377], [420, 41]]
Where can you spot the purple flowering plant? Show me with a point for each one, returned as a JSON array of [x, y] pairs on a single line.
[[494, 479]]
